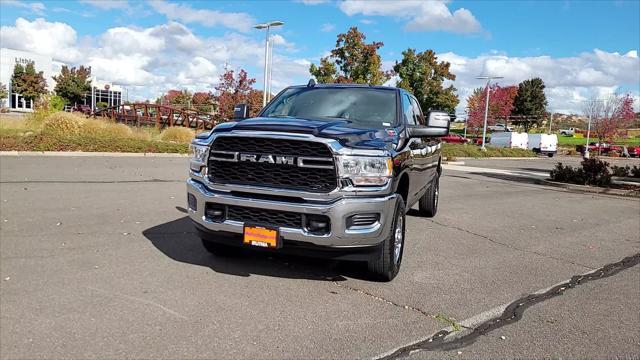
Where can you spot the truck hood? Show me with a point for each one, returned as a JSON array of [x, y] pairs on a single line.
[[340, 130]]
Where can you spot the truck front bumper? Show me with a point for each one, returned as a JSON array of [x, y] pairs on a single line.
[[339, 237]]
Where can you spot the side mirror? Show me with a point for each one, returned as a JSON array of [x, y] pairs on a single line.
[[437, 125], [240, 112]]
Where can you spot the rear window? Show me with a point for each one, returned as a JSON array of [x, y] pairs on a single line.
[[361, 107]]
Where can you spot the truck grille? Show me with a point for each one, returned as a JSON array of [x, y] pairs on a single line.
[[309, 179], [257, 216]]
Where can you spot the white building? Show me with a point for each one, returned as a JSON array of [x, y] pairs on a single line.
[[103, 91]]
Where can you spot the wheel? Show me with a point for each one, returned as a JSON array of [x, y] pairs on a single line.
[[550, 155], [428, 203], [386, 264], [219, 249]]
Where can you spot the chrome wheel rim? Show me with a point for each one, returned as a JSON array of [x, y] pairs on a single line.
[[397, 245]]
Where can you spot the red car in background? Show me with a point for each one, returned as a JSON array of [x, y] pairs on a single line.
[[455, 139]]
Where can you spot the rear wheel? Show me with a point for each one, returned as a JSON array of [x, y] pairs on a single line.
[[428, 203], [386, 264]]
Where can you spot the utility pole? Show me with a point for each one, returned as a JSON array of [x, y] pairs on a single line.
[[267, 56], [486, 108]]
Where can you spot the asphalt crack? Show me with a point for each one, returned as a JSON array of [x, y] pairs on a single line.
[[512, 313], [511, 246], [438, 317]]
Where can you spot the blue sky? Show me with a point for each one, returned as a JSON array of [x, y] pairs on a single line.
[[580, 48]]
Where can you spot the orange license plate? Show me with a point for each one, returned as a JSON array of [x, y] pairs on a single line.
[[261, 237]]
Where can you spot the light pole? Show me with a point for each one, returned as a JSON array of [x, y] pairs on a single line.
[[268, 26], [486, 108]]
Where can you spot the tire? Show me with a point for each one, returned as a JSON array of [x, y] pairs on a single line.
[[428, 203], [550, 155], [386, 264], [219, 249]]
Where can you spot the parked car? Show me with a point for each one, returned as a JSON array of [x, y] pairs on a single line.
[[546, 144], [455, 139], [499, 127], [633, 151], [568, 132], [513, 140], [359, 166], [85, 109]]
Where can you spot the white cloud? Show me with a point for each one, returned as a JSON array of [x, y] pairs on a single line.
[[328, 27], [35, 7], [108, 4], [421, 15], [55, 39], [185, 13], [367, 21], [568, 79]]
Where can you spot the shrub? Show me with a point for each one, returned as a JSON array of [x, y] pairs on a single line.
[[92, 127], [177, 134], [621, 171], [62, 123], [56, 103], [35, 119], [141, 134], [100, 128], [635, 171], [593, 172], [101, 104]]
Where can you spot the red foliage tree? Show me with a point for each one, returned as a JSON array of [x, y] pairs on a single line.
[[500, 105], [610, 116], [235, 89], [203, 101]]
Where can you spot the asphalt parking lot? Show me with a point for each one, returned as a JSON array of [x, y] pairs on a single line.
[[97, 260]]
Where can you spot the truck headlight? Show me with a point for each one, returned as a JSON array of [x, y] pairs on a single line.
[[365, 170], [198, 156]]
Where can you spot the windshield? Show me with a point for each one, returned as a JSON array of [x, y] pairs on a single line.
[[362, 107]]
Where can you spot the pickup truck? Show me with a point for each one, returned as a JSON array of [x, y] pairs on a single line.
[[323, 170]]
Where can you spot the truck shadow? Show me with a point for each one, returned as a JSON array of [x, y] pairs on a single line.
[[178, 240]]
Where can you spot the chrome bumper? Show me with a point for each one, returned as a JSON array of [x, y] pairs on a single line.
[[338, 211]]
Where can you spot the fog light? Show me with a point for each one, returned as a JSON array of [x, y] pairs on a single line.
[[362, 220], [317, 224], [214, 212], [192, 202]]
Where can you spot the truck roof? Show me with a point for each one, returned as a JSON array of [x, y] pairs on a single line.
[[381, 87]]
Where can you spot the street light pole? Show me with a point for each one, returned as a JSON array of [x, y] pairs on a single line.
[[267, 76], [586, 148], [486, 108]]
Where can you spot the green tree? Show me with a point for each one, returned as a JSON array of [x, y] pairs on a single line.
[[32, 83], [3, 94], [352, 61], [27, 82], [73, 84], [424, 76], [530, 104]]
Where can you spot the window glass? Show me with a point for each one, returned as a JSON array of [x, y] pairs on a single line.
[[407, 110], [416, 112]]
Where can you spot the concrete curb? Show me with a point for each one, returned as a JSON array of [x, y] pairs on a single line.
[[590, 189], [82, 154]]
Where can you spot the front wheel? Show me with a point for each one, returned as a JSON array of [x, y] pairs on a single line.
[[386, 264], [428, 203]]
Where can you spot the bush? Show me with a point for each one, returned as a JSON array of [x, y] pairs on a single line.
[[101, 105], [635, 171], [62, 123], [177, 134], [460, 150], [35, 119], [56, 103], [593, 172], [100, 128], [626, 171]]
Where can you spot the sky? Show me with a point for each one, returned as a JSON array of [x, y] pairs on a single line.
[[581, 49]]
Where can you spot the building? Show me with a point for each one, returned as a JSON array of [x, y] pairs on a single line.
[[103, 93], [8, 60]]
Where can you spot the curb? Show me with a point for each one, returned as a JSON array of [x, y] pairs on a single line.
[[500, 158], [590, 189], [83, 154]]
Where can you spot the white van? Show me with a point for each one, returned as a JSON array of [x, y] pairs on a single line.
[[543, 143], [513, 140]]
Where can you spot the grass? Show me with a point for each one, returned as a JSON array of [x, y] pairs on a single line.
[[572, 141], [461, 150], [62, 131]]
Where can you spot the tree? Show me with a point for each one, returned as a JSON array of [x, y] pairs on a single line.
[[73, 84], [203, 101], [530, 103], [352, 61], [234, 90], [423, 75], [610, 116], [27, 82], [500, 105], [175, 97], [3, 94]]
